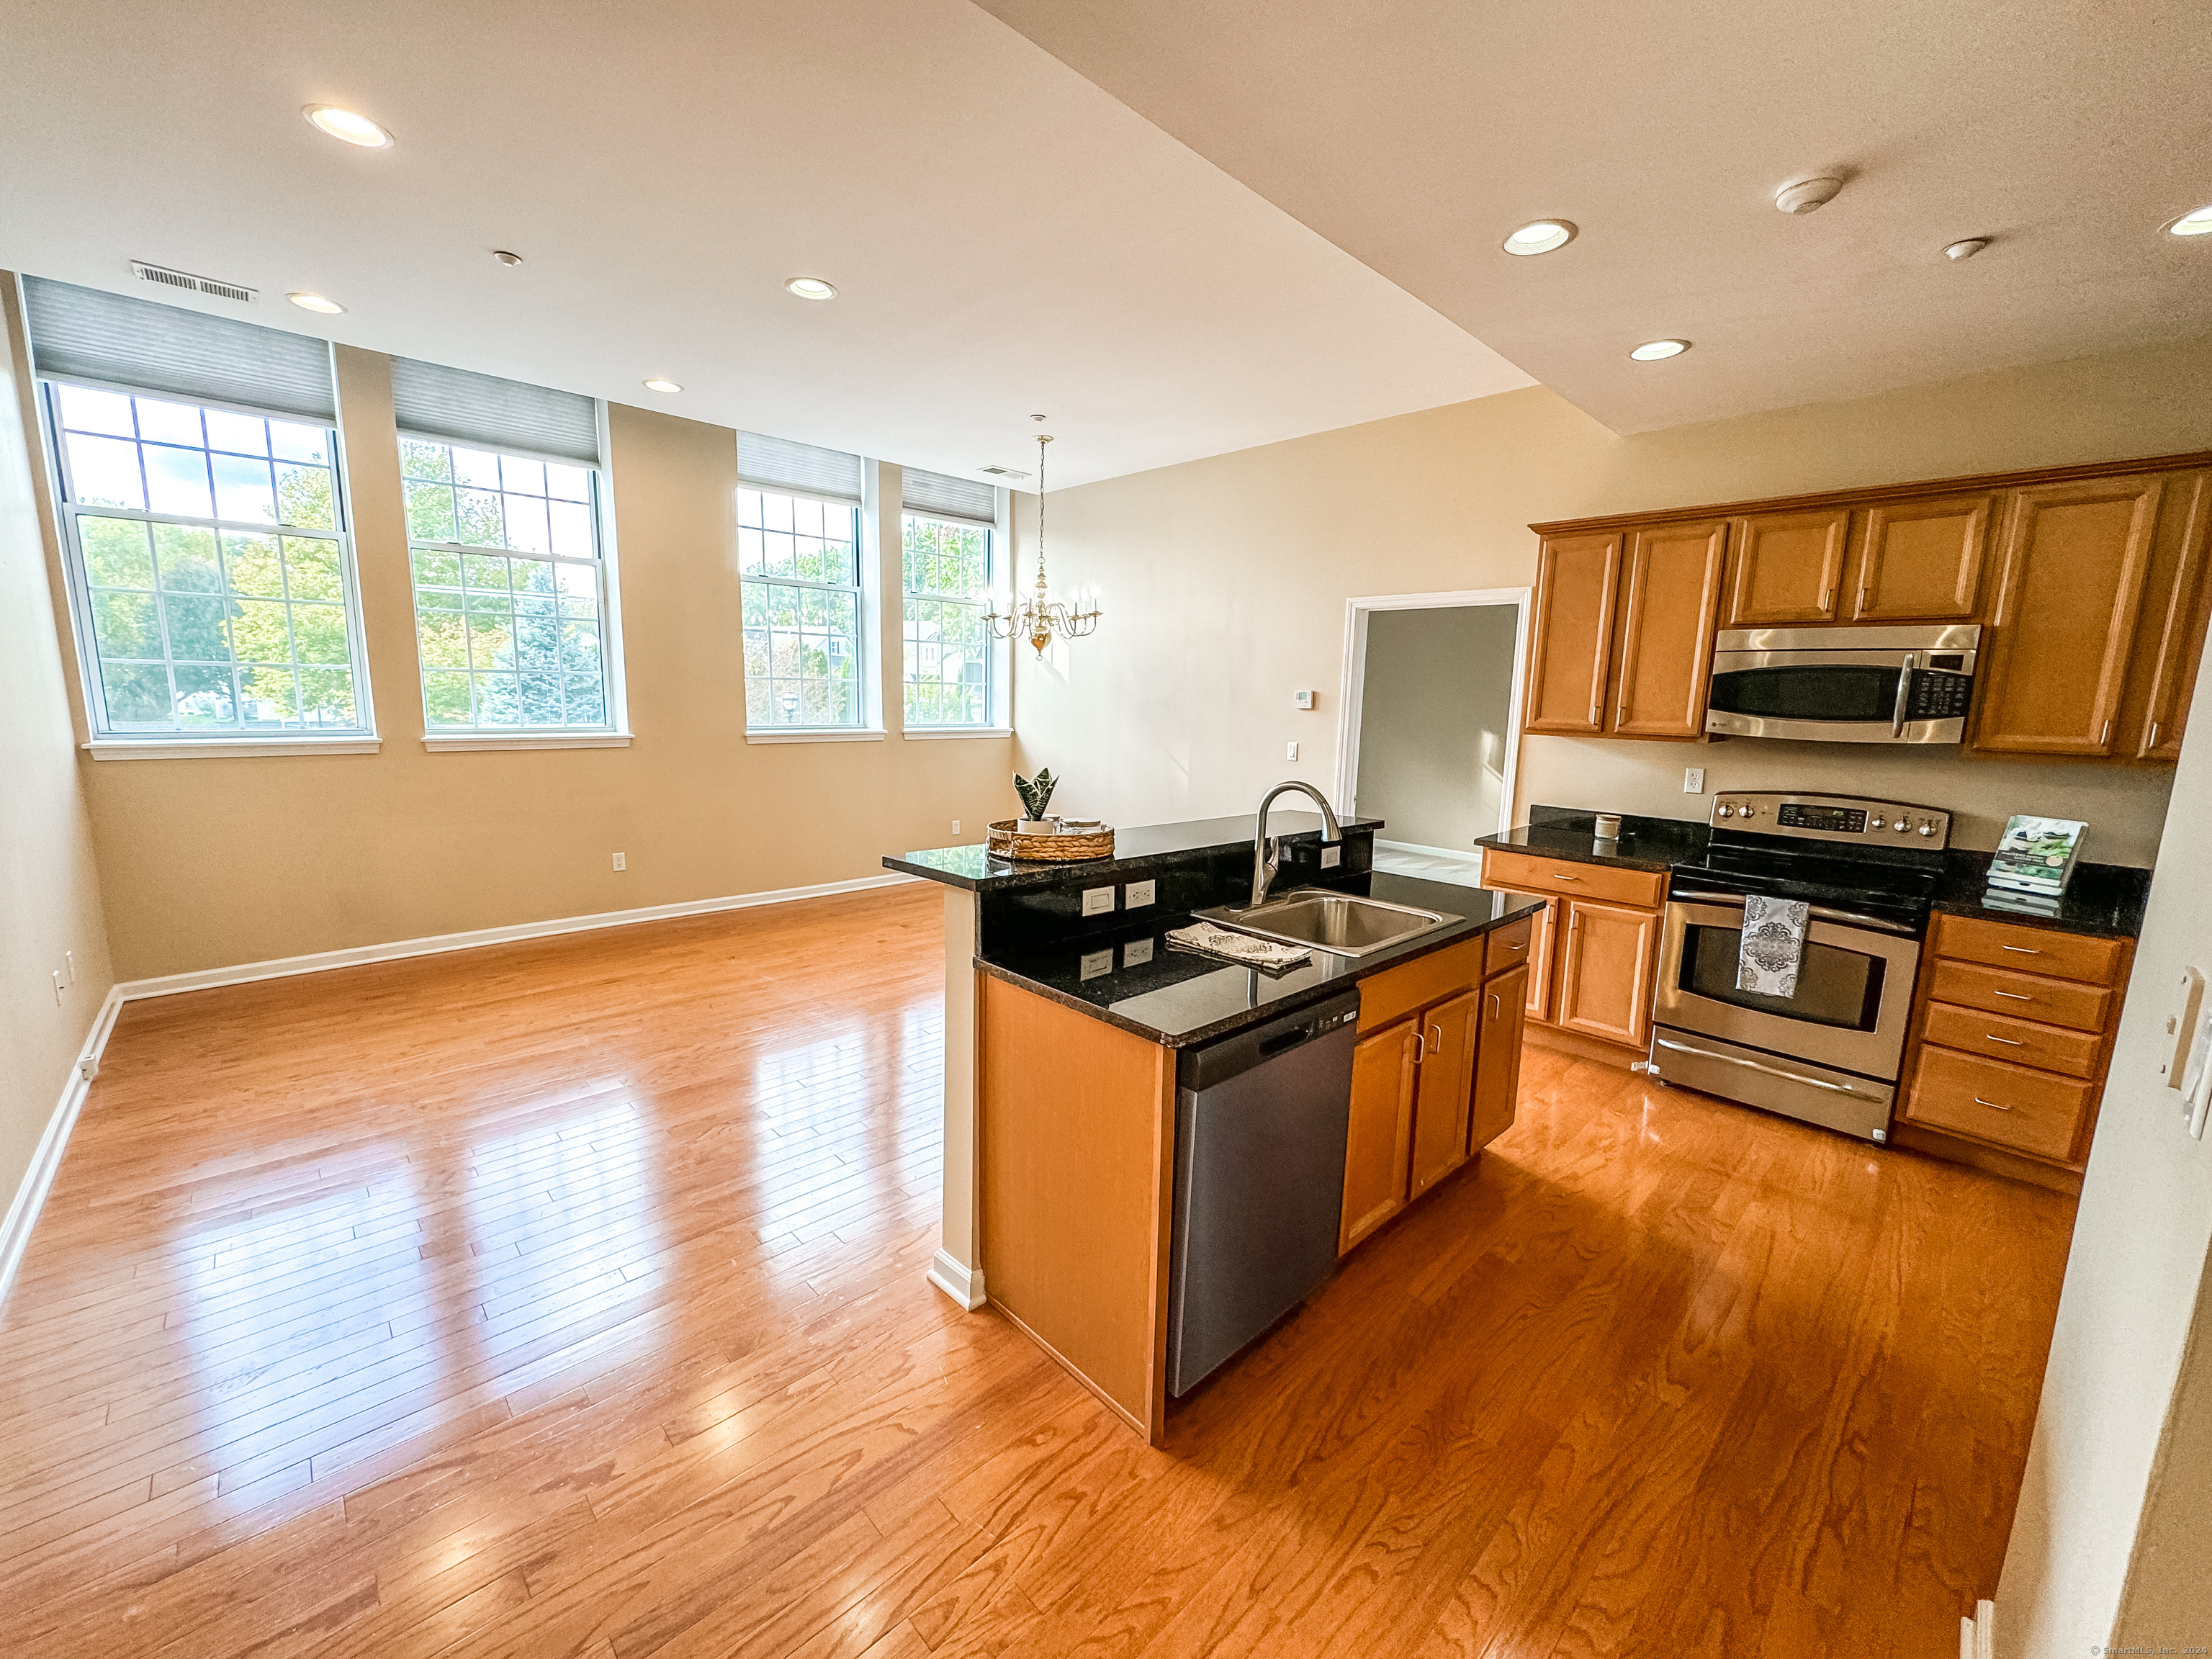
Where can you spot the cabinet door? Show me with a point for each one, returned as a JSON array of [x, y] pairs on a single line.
[[1672, 605], [1786, 567], [1443, 1085], [1571, 648], [1497, 1059], [1606, 970], [1922, 561], [2070, 583], [1540, 953], [2180, 622], [1377, 1144]]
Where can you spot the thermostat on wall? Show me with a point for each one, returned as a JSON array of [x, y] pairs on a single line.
[[1302, 699]]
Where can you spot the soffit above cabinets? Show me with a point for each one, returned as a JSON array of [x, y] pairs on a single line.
[[1416, 136], [1006, 238]]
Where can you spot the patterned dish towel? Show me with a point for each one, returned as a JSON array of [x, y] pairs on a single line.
[[1773, 946], [1242, 949]]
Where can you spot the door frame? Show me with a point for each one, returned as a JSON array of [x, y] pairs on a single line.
[[1357, 610]]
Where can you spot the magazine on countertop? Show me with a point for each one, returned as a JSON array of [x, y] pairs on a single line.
[[2036, 855]]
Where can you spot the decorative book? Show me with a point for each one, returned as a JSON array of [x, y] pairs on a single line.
[[2036, 855]]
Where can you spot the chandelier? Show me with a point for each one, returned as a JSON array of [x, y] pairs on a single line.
[[1038, 618]]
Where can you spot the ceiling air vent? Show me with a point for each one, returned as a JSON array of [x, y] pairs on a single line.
[[1000, 472], [190, 284]]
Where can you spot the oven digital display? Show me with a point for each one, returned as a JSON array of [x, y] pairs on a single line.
[[1851, 820]]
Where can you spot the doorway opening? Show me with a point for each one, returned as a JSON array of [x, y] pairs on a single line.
[[1430, 719]]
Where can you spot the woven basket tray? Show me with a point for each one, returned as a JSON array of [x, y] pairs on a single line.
[[1007, 842]]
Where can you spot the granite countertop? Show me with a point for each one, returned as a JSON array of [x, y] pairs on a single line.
[[1136, 852], [1133, 979], [2104, 899], [1644, 844]]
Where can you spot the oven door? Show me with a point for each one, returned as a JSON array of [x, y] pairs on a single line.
[[1840, 697], [1854, 989]]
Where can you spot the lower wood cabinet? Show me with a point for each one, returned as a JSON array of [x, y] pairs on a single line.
[[1443, 1088], [1497, 1059], [1607, 969], [1378, 1146]]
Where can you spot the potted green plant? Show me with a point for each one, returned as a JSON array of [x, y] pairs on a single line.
[[1036, 797]]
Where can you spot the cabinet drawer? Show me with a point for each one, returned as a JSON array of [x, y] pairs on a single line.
[[1509, 947], [2024, 996], [2031, 1112], [2022, 1042], [1396, 992], [2030, 950], [1523, 873]]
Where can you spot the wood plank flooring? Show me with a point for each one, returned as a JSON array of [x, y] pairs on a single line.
[[567, 1299]]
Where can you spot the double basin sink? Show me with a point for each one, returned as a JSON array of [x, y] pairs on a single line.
[[1339, 923]]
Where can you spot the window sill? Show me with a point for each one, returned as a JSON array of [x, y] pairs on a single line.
[[123, 748], [817, 734], [958, 732], [489, 740]]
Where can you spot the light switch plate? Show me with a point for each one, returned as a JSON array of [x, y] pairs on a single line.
[[1289, 752], [1136, 894], [1097, 901], [2186, 1028], [1136, 953], [1331, 857], [1097, 962]]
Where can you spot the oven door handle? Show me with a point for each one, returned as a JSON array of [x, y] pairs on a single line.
[[1815, 912], [1755, 1066]]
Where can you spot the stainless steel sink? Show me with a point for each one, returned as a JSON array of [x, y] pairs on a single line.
[[1339, 923]]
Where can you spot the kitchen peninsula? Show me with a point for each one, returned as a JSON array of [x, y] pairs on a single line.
[[1075, 1028]]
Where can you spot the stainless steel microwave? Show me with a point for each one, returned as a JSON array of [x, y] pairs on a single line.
[[1843, 684]]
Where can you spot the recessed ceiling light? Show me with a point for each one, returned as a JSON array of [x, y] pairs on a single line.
[[345, 124], [657, 384], [1966, 249], [2198, 223], [1539, 236], [506, 258], [811, 288], [1652, 351], [320, 302]]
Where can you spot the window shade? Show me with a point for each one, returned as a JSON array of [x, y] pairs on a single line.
[[943, 497], [429, 400], [84, 334], [779, 464]]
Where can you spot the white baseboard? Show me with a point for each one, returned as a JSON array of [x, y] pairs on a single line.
[[31, 1191], [1457, 855], [964, 1284], [206, 978]]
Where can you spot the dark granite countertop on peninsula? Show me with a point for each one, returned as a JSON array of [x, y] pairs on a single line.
[[1180, 999], [1137, 853]]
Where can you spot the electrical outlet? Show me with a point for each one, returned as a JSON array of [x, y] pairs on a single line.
[[1097, 901], [1096, 963], [1693, 780], [1331, 856], [1136, 953], [955, 826], [1289, 752], [622, 860], [1137, 893]]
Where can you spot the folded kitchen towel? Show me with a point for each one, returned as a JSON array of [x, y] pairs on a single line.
[[1266, 955], [1773, 946]]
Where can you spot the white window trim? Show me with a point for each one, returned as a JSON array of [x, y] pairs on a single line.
[[868, 621], [932, 733], [999, 711], [104, 745], [453, 743], [113, 749], [817, 734]]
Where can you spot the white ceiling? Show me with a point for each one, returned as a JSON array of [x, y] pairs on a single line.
[[1007, 237], [1415, 134]]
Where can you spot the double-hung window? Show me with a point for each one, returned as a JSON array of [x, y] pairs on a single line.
[[210, 566], [513, 592], [799, 564], [948, 540]]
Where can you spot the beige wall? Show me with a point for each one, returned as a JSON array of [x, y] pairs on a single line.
[[1436, 722], [48, 894], [210, 863], [1224, 582]]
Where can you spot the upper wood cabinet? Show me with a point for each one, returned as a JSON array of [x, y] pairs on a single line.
[[1786, 569], [2172, 642], [2070, 583], [1670, 608], [1921, 560], [1571, 646]]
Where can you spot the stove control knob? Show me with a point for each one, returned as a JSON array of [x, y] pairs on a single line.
[[1877, 822], [1747, 811], [1724, 810], [1927, 826], [1903, 826]]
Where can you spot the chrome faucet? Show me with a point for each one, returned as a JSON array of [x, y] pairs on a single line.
[[1268, 853]]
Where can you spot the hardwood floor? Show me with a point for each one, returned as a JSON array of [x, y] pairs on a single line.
[[566, 1298]]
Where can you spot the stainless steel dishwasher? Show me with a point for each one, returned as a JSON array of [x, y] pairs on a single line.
[[1261, 1120]]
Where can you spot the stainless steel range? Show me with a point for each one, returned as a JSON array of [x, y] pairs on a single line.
[[1829, 1054]]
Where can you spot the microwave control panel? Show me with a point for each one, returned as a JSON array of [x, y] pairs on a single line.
[[1848, 818], [1938, 694]]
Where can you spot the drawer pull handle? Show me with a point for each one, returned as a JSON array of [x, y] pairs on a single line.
[[1579, 878], [1519, 945], [2014, 996], [2008, 1042], [2020, 950], [1978, 1101]]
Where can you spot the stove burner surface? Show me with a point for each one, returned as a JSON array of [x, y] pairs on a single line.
[[1899, 889]]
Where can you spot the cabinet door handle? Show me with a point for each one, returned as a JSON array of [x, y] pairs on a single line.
[[2107, 738], [2013, 996], [1978, 1101], [2153, 744], [1991, 1036], [1826, 594], [1494, 1009], [1437, 1046], [2020, 950], [1421, 1047]]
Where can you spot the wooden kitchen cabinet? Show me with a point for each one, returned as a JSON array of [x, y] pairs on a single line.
[[2173, 642], [1378, 1146], [1571, 644], [1786, 569], [1497, 1058], [1669, 609], [1921, 560], [2070, 582], [1443, 1088], [1606, 971]]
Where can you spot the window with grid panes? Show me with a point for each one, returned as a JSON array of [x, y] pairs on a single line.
[[510, 589], [799, 560], [946, 566], [213, 566]]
